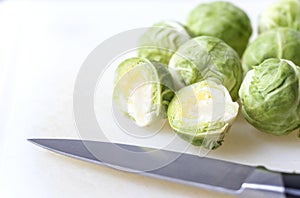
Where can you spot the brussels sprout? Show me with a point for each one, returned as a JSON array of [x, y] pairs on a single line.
[[283, 13], [223, 20], [270, 96], [208, 57], [162, 40], [202, 113], [143, 90], [277, 43]]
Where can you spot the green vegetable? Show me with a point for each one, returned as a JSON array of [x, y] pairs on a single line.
[[143, 90], [207, 57], [162, 40], [277, 43], [270, 96], [223, 20], [202, 113], [283, 13]]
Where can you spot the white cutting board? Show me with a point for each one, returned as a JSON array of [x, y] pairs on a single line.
[[42, 46]]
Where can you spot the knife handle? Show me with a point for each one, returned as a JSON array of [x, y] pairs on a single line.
[[292, 185]]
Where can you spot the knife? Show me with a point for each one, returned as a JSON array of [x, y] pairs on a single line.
[[212, 174]]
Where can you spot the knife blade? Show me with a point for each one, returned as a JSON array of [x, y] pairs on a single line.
[[212, 174]]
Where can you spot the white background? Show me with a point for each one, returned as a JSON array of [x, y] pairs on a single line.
[[42, 46]]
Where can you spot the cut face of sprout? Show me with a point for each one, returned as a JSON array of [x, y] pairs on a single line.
[[142, 90], [140, 105], [202, 112]]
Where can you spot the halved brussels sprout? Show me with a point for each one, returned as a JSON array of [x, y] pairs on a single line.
[[223, 20], [208, 57], [143, 90], [270, 96], [276, 43], [283, 13], [202, 113], [162, 40]]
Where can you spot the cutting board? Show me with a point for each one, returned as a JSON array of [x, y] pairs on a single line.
[[45, 44]]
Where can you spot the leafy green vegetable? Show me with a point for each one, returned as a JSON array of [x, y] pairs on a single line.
[[208, 57], [270, 96], [283, 13], [277, 43], [223, 20], [162, 40]]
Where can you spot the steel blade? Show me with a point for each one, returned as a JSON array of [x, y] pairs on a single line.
[[179, 167]]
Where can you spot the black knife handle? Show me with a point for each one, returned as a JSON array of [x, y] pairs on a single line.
[[292, 185]]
